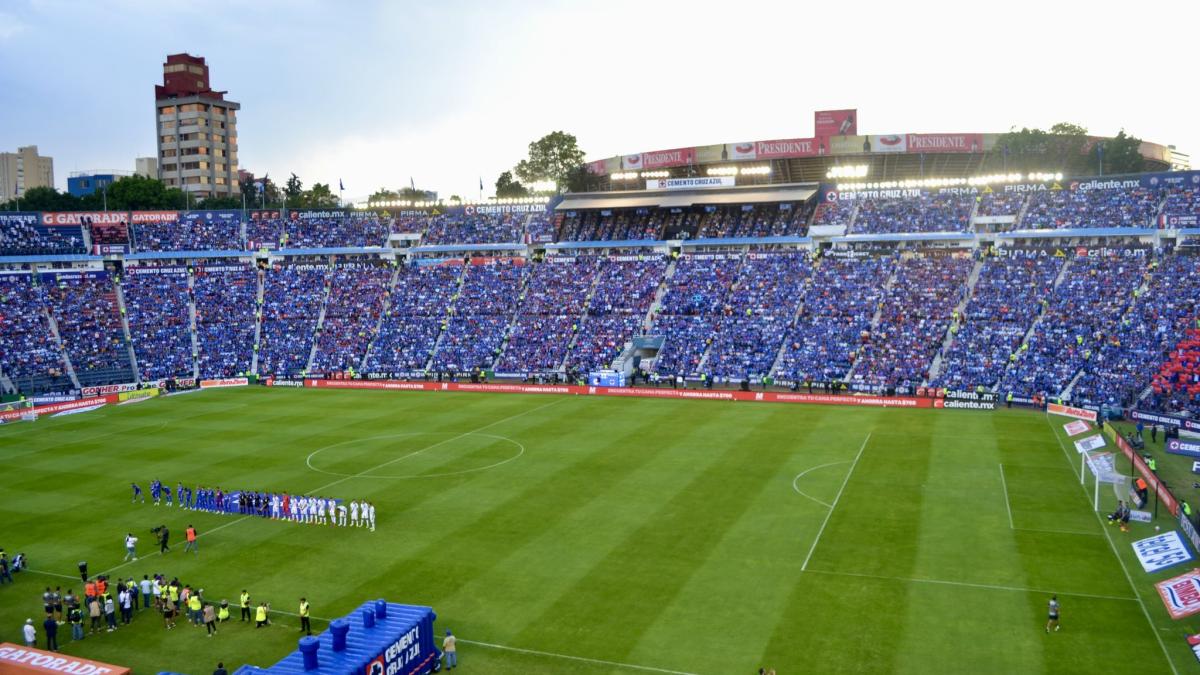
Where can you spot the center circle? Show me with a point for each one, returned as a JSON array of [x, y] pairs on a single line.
[[436, 451]]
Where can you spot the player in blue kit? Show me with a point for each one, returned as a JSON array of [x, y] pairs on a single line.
[[137, 492], [179, 494]]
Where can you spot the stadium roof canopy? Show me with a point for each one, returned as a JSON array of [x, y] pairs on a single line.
[[627, 199]]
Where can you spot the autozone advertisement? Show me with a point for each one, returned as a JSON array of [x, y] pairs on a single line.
[[224, 382], [1068, 411], [642, 392], [1181, 594]]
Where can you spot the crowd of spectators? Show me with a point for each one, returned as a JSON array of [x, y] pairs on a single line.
[[928, 212], [834, 213], [1086, 304], [473, 229], [189, 234], [1079, 208], [352, 312], [262, 232], [26, 346], [624, 290], [292, 297], [914, 315], [226, 304], [1000, 203], [156, 304], [691, 310], [758, 311], [415, 317], [1132, 350], [480, 316], [89, 323], [548, 315], [1182, 200], [836, 314], [27, 237], [611, 225], [1008, 297], [352, 230]]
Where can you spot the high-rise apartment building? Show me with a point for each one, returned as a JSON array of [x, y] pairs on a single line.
[[197, 130]]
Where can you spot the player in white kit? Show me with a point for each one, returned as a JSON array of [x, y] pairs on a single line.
[[371, 515], [354, 514], [341, 520]]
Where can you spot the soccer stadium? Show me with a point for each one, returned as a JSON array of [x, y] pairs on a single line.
[[842, 402]]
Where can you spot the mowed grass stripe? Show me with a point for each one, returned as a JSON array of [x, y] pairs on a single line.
[[733, 596], [642, 576]]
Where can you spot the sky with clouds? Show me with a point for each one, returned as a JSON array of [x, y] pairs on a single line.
[[452, 91]]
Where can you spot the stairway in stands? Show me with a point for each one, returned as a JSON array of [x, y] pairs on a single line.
[[935, 368], [120, 297]]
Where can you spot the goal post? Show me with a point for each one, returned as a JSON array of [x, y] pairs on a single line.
[[17, 411], [1098, 471]]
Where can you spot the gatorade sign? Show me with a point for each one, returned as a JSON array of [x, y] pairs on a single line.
[[15, 659]]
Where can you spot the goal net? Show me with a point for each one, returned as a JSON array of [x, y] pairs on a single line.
[[1100, 467], [17, 411]]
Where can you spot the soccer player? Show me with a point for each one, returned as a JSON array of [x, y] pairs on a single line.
[[314, 507], [371, 515], [321, 507], [341, 514], [354, 514], [179, 494], [275, 507], [285, 506], [168, 494], [1053, 621], [156, 491], [137, 492]]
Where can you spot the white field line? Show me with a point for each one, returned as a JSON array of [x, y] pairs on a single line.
[[1007, 505], [536, 652], [965, 584], [1116, 554], [835, 503], [805, 472]]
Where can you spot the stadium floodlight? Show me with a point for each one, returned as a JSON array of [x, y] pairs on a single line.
[[848, 171], [723, 171], [655, 174], [763, 170]]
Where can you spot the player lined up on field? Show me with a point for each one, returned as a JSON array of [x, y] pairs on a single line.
[[274, 505]]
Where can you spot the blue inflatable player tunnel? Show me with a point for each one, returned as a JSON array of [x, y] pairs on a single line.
[[378, 638]]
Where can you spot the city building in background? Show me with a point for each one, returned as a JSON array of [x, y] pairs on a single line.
[[22, 170], [82, 183], [146, 167], [196, 129]]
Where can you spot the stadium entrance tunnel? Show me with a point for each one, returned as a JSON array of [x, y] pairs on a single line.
[[415, 454]]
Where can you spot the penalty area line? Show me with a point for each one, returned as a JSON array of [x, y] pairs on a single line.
[[967, 584]]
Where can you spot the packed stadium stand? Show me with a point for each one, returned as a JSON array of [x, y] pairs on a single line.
[[739, 292]]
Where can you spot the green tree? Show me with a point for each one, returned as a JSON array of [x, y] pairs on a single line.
[[250, 193], [506, 186], [1062, 148], [384, 195], [293, 189], [45, 199], [552, 157], [1121, 154], [319, 196], [140, 193], [412, 194], [456, 198]]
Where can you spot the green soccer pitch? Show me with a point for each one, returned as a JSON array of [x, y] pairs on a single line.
[[576, 534]]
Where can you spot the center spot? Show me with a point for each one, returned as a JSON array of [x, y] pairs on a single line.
[[415, 454]]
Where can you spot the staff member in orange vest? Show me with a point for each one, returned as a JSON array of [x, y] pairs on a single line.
[[191, 541]]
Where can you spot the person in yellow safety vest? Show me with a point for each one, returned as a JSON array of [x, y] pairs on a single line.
[[304, 619], [260, 618], [1187, 510], [1152, 464], [245, 605], [194, 608], [223, 612]]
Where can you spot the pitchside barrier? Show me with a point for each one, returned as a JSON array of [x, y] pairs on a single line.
[[378, 638]]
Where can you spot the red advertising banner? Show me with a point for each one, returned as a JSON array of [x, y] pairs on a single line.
[[640, 392], [52, 408], [597, 168], [931, 143], [78, 217], [154, 217], [15, 659], [1181, 594], [835, 123], [786, 147], [661, 159]]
